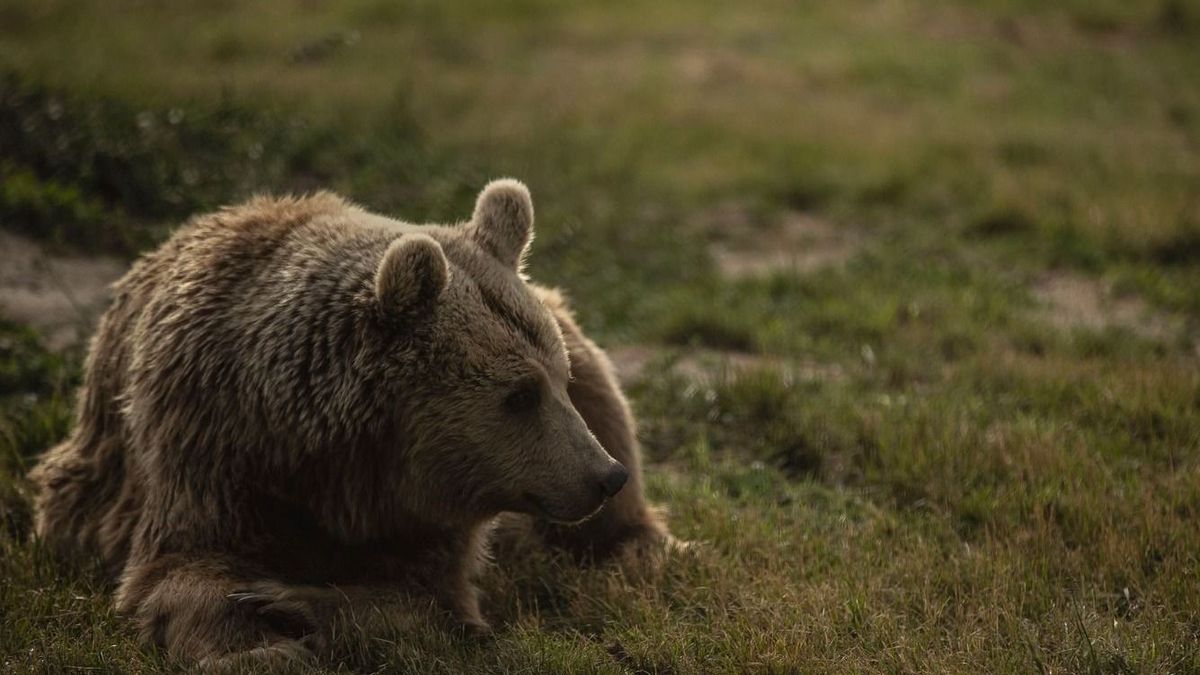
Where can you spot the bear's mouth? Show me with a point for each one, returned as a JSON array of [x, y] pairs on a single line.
[[537, 507]]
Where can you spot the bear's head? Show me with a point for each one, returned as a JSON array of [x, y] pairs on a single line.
[[487, 422]]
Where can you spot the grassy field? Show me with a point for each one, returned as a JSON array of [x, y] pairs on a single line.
[[906, 294]]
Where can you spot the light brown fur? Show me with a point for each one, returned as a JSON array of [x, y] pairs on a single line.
[[295, 394]]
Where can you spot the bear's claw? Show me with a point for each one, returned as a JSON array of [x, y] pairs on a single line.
[[290, 611]]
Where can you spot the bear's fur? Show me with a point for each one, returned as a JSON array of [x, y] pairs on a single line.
[[295, 395]]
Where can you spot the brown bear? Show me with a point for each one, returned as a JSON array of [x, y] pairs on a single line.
[[294, 397]]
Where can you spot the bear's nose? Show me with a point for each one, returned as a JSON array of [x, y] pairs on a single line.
[[614, 480]]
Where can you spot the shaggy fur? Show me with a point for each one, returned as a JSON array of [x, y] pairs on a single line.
[[293, 394]]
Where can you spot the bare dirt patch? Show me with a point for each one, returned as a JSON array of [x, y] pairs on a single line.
[[706, 365], [61, 296], [797, 242], [1072, 301]]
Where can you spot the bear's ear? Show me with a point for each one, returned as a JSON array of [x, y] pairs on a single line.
[[503, 221], [411, 275]]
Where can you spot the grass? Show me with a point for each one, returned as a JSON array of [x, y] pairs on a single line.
[[923, 464]]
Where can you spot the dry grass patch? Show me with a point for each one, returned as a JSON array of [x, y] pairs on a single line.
[[797, 242], [704, 366], [1072, 301]]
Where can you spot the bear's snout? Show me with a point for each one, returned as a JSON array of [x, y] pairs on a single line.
[[614, 479], [580, 494]]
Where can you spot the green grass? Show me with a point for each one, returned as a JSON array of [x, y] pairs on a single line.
[[929, 466]]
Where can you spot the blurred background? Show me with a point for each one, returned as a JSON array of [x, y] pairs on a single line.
[[906, 294]]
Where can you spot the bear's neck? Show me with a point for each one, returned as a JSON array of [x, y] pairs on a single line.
[[298, 546]]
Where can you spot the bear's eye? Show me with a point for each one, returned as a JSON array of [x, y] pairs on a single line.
[[524, 398]]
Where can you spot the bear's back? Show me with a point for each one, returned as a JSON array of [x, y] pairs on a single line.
[[244, 319]]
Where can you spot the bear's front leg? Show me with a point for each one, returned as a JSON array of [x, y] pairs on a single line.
[[221, 611], [626, 520], [450, 574]]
